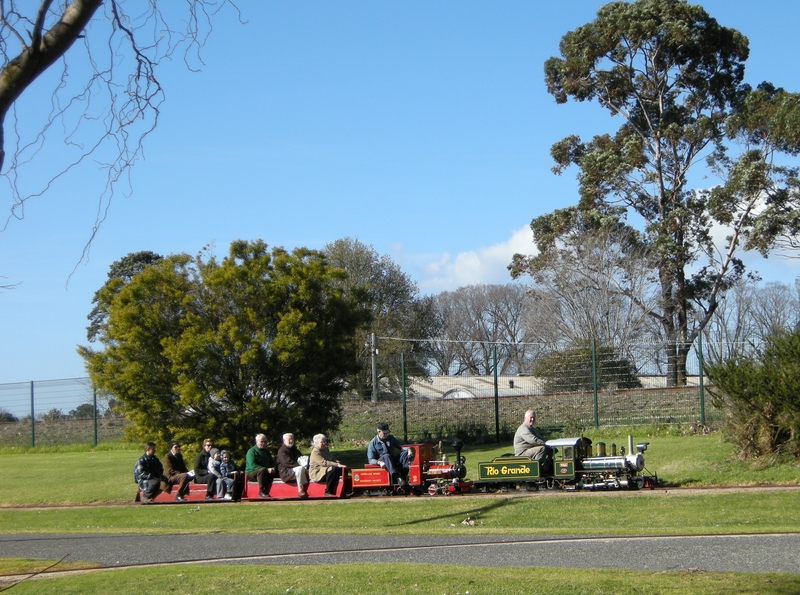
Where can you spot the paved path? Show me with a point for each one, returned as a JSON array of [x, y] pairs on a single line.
[[745, 553]]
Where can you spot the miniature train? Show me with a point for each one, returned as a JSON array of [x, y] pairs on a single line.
[[429, 472], [574, 467]]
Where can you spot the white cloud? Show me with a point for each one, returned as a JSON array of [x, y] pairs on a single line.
[[487, 264]]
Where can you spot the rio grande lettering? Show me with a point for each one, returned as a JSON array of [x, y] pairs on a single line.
[[505, 470]]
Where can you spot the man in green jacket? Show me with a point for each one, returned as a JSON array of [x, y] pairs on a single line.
[[260, 466]]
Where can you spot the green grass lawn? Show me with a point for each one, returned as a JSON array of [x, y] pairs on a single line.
[[620, 513], [408, 578], [101, 478], [78, 474]]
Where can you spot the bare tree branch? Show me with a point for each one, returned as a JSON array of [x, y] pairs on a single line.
[[106, 93]]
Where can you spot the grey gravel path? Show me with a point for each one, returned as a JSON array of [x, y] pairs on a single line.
[[746, 553]]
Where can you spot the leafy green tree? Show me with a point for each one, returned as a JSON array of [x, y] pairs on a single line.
[[761, 397], [674, 76], [259, 342], [397, 310]]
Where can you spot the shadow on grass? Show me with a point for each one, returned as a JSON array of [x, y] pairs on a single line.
[[461, 513]]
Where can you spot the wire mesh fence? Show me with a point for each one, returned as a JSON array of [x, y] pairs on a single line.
[[55, 412], [479, 395], [571, 388]]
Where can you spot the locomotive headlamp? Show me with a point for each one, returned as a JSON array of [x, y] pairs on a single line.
[[641, 447]]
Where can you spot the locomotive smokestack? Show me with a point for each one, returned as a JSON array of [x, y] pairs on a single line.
[[459, 469]]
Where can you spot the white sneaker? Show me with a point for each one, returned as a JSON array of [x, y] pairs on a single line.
[[228, 497]]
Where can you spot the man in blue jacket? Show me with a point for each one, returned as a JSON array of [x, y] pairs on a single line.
[[385, 450]]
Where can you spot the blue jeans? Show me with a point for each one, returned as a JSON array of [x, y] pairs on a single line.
[[395, 466]]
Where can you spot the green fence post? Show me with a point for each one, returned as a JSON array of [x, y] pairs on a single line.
[[594, 383], [403, 384], [94, 400], [702, 390], [33, 428], [496, 397]]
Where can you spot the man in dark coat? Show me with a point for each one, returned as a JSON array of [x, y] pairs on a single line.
[[289, 468], [176, 471], [149, 473]]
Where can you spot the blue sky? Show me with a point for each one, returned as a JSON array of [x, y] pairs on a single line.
[[422, 128]]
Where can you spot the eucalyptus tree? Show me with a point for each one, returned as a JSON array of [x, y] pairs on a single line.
[[674, 77], [598, 286], [260, 341]]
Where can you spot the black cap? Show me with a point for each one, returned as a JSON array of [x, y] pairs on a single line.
[[383, 426], [174, 443]]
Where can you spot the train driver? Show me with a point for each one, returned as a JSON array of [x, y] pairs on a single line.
[[528, 442], [385, 450]]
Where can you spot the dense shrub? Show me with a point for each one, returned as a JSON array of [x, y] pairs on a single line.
[[761, 397], [571, 371], [7, 416]]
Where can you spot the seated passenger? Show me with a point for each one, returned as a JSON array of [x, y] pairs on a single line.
[[259, 466], [149, 473], [176, 471], [322, 466], [528, 442], [230, 476], [385, 450], [289, 469], [201, 474], [214, 461]]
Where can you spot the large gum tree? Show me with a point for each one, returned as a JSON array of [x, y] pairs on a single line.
[[673, 76]]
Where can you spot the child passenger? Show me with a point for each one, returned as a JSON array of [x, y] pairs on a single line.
[[214, 463], [228, 472]]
